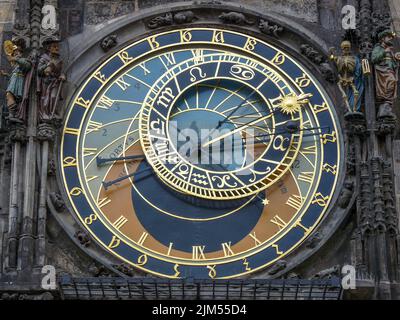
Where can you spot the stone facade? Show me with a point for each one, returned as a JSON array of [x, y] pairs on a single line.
[[36, 227]]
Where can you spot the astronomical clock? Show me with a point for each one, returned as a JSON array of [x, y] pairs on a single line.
[[201, 152]]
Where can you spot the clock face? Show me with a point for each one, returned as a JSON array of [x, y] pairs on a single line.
[[200, 153]]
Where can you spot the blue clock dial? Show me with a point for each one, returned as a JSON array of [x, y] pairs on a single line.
[[200, 153]]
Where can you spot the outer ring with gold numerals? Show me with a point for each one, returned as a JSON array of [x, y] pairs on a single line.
[[293, 233]]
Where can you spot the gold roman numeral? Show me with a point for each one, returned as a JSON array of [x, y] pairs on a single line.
[[226, 246], [143, 238], [279, 222], [89, 151], [122, 83], [198, 252], [103, 202], [295, 202], [105, 102], [306, 177], [119, 223], [93, 126]]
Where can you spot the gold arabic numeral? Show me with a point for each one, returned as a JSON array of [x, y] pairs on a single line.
[[93, 126], [115, 242], [198, 252], [124, 56], [303, 81], [212, 273], [295, 201], [278, 59], [329, 168], [69, 162], [177, 272], [277, 220], [320, 107], [299, 224], [105, 103], [89, 220], [82, 102], [320, 199], [153, 42], [226, 246], [103, 202], [76, 191], [142, 238], [165, 97], [142, 260], [120, 222], [72, 131], [89, 152], [198, 55], [100, 77], [306, 177], [218, 37], [246, 264], [250, 44], [329, 137], [186, 36], [122, 83], [146, 71], [276, 247], [254, 237]]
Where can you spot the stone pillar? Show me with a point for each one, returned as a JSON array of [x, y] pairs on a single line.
[[46, 134], [395, 11]]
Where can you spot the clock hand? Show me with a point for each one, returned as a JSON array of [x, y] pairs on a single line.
[[108, 184], [101, 160], [237, 130]]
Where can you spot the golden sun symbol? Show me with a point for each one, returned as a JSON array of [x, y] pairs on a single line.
[[292, 103]]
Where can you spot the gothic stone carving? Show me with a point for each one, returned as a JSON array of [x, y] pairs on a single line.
[[235, 18], [278, 266], [270, 29], [169, 19], [83, 238], [327, 273], [317, 58], [346, 194], [57, 201], [108, 42]]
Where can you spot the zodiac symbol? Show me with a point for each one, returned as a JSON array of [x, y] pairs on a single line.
[[255, 173], [242, 72], [223, 181], [183, 171], [202, 74], [281, 140], [201, 179]]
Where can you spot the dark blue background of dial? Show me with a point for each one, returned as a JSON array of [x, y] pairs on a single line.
[[183, 233]]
